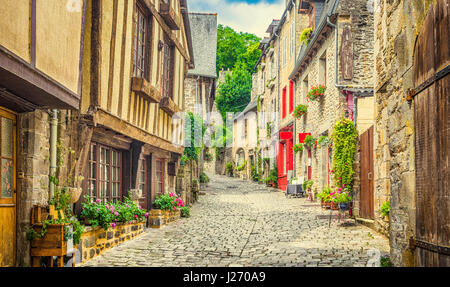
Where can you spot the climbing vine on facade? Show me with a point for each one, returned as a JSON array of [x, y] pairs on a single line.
[[344, 146]]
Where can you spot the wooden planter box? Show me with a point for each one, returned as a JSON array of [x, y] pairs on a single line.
[[334, 206], [52, 244], [168, 14], [168, 105], [143, 87]]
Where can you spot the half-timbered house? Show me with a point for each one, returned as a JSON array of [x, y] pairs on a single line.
[[40, 69]]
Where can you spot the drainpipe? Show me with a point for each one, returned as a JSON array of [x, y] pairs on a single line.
[[295, 84], [278, 95], [53, 150]]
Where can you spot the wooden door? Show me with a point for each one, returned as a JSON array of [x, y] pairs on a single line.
[[143, 183], [366, 176], [432, 123], [7, 188]]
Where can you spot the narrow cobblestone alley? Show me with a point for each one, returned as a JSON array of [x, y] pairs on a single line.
[[239, 223]]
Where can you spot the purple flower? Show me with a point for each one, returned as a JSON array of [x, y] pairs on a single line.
[[127, 206], [113, 225]]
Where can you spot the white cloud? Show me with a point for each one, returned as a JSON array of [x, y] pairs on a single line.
[[242, 17]]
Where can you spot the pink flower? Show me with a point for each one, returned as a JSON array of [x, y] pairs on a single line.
[[113, 225], [146, 215], [174, 208], [116, 213], [136, 216], [112, 207], [127, 206], [107, 207], [171, 194], [98, 200]]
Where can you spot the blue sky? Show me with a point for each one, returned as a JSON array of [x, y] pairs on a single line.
[[252, 16]]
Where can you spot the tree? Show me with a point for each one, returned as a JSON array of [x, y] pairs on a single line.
[[238, 52], [233, 47], [234, 93]]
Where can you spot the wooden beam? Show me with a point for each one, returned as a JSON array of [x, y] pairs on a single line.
[[166, 29], [103, 118]]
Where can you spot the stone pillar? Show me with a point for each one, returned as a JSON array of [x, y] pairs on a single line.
[[33, 168]]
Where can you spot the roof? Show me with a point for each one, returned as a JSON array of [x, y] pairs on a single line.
[[272, 26], [204, 39], [251, 106], [329, 9]]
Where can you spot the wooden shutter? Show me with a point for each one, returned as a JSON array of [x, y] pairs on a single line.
[[291, 96], [432, 124], [284, 103]]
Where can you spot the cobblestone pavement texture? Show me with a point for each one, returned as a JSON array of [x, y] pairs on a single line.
[[240, 223]]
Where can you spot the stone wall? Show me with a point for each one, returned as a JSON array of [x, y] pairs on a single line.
[[95, 241], [33, 167], [397, 24]]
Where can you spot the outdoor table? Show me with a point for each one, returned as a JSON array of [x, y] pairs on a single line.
[[295, 189]]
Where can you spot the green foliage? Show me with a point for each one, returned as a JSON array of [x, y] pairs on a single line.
[[230, 169], [300, 110], [307, 184], [204, 178], [242, 166], [304, 36], [298, 148], [344, 146], [208, 157], [341, 196], [109, 214], [385, 208], [273, 176], [324, 141], [186, 211], [324, 195], [236, 49], [269, 129], [385, 261], [235, 93], [193, 148], [238, 52], [255, 174], [310, 141], [63, 207]]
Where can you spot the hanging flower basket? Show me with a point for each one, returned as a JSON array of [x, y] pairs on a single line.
[[300, 110], [316, 92], [298, 148], [310, 141]]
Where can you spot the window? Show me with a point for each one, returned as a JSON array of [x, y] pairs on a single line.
[[284, 51], [141, 45], [142, 182], [168, 66], [292, 41], [105, 173], [159, 176]]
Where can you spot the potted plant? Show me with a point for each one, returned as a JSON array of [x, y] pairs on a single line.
[[298, 148], [343, 198], [324, 141], [307, 188], [385, 210], [310, 141], [230, 169], [316, 92], [305, 35], [300, 110], [324, 196]]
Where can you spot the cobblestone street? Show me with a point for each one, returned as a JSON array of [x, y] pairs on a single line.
[[239, 223]]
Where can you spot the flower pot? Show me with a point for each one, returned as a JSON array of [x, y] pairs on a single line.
[[75, 194], [327, 205], [334, 206], [343, 206]]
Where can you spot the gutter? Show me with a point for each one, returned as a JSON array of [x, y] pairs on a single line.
[[53, 149]]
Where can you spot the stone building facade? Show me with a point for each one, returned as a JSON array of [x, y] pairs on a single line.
[[200, 92], [104, 109], [398, 25]]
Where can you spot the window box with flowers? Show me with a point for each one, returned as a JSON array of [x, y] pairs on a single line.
[[316, 92], [298, 148], [310, 142], [300, 110]]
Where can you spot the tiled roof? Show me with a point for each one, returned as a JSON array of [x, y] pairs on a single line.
[[204, 39]]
